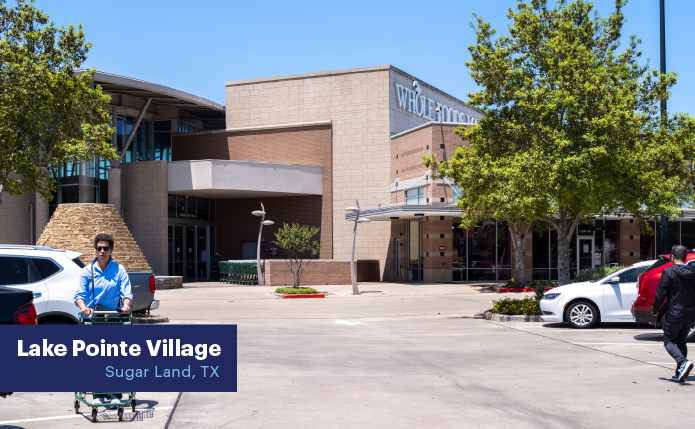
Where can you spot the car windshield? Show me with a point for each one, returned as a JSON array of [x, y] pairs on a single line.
[[628, 275]]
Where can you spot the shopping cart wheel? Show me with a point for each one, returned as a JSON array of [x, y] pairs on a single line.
[[77, 406], [94, 415], [120, 414], [132, 404]]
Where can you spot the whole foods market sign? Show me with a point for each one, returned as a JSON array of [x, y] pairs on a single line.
[[413, 101]]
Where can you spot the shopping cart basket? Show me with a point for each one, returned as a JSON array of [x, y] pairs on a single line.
[[106, 318]]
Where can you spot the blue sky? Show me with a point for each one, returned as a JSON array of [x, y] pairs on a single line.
[[197, 46]]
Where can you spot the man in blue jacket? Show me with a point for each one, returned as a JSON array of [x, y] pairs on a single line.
[[678, 285], [106, 284]]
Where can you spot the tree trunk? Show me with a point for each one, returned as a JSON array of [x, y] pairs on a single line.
[[519, 236], [565, 227], [2, 188]]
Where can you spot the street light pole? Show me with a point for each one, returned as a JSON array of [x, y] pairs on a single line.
[[261, 213], [356, 210], [664, 220]]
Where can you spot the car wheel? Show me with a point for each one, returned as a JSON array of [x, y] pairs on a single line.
[[691, 334], [582, 315]]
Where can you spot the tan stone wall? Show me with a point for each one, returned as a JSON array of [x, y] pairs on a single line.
[[74, 226], [360, 104], [144, 190], [14, 219]]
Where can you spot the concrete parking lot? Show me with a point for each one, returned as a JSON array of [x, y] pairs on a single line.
[[401, 356]]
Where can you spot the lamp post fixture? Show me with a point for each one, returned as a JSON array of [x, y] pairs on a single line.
[[356, 210], [261, 213]]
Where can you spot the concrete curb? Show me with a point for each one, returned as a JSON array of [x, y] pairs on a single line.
[[151, 320], [517, 289], [489, 315]]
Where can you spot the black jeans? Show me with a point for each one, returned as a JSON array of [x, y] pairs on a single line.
[[675, 336]]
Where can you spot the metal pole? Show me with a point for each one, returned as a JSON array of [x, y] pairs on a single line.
[[31, 224], [355, 289], [258, 251], [126, 146], [664, 220]]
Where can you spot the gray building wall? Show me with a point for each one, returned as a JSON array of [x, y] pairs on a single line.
[[14, 218], [144, 195]]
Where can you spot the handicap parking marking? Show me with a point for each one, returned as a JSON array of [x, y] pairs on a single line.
[[81, 415], [346, 322]]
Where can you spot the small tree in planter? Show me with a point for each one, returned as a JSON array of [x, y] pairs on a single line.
[[297, 245]]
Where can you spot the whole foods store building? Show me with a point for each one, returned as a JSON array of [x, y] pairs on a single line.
[[307, 146]]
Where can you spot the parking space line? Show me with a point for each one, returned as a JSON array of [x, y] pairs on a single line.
[[621, 344], [75, 416], [578, 345]]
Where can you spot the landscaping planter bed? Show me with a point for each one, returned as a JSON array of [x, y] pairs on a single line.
[[304, 295]]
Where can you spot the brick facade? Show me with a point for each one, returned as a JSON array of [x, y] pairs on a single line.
[[322, 272], [406, 160], [310, 145]]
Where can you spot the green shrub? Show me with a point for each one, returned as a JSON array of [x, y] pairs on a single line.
[[512, 307], [595, 273], [292, 290]]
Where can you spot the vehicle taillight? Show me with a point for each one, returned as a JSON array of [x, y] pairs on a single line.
[[26, 315], [152, 284]]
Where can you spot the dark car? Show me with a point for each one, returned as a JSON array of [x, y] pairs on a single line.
[[16, 308]]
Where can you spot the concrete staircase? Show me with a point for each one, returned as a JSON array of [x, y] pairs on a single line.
[[74, 226]]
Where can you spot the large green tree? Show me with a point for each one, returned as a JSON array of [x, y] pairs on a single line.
[[575, 117], [48, 115], [494, 188]]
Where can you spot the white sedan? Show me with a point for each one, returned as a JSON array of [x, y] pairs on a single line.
[[584, 304]]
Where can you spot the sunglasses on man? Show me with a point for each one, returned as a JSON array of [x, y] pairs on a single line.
[[100, 248]]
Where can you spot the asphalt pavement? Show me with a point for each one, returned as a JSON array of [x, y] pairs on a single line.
[[401, 356]]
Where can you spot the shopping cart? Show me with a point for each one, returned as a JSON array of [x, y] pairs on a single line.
[[106, 318]]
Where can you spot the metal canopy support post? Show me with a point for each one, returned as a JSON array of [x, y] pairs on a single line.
[[126, 146]]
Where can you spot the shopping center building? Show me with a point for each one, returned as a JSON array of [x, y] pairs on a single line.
[[306, 146]]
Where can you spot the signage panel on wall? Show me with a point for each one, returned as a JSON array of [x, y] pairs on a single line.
[[413, 101]]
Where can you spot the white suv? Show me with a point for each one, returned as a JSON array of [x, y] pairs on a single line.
[[51, 274]]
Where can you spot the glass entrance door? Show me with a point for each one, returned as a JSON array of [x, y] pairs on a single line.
[[585, 252], [414, 251], [397, 259]]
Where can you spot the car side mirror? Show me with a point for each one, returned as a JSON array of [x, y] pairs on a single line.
[[614, 280]]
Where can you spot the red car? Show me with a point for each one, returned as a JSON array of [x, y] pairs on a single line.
[[646, 289]]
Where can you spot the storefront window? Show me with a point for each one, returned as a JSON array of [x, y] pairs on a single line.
[[171, 205], [646, 243], [688, 234], [414, 196], [504, 266], [162, 140], [481, 252], [459, 236]]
